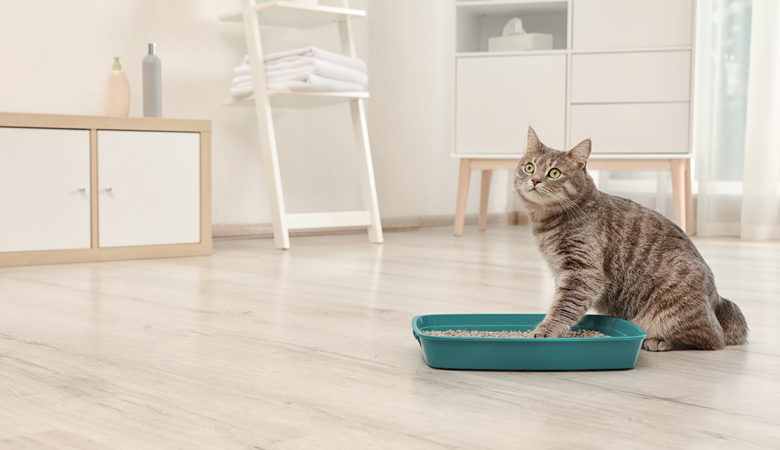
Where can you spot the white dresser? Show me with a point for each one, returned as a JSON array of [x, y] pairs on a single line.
[[79, 188], [620, 72]]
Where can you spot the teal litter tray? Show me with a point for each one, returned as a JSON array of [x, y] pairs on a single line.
[[619, 351]]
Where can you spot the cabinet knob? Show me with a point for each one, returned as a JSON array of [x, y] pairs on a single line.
[[109, 189], [82, 189]]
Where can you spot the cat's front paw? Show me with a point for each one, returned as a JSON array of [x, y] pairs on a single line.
[[656, 345], [549, 331]]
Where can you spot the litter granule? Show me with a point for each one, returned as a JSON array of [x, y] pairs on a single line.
[[510, 334]]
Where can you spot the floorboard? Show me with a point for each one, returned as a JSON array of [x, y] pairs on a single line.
[[256, 348]]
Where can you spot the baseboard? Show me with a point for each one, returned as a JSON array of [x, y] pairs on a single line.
[[390, 224]]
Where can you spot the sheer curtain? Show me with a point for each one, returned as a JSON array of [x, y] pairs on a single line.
[[737, 133]]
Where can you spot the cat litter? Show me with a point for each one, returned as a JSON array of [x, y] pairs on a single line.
[[511, 334]]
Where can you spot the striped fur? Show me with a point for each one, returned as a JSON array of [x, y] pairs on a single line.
[[619, 258]]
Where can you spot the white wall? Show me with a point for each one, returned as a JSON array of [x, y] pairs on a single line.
[[411, 44], [54, 57]]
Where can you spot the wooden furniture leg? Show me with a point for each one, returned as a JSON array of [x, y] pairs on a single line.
[[484, 195], [486, 166], [679, 188], [463, 192]]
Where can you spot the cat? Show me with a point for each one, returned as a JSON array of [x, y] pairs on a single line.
[[619, 258]]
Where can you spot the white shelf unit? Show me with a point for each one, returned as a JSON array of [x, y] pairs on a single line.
[[293, 15], [477, 21], [620, 73], [85, 189]]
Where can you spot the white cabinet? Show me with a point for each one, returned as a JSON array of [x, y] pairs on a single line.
[[82, 188], [620, 72], [149, 188], [494, 105], [44, 189], [614, 24], [624, 74]]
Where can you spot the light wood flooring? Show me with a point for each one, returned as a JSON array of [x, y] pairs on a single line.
[[312, 348]]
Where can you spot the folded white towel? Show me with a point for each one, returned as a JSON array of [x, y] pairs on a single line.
[[305, 69], [306, 78], [318, 53], [309, 83], [242, 79], [242, 90], [293, 69], [312, 66], [301, 57], [312, 82]]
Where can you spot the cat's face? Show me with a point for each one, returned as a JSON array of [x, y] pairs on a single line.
[[551, 177]]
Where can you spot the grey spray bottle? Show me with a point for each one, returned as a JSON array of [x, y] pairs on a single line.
[[152, 83]]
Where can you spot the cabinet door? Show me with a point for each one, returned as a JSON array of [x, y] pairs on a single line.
[[148, 188], [608, 24], [499, 96], [632, 128], [44, 189]]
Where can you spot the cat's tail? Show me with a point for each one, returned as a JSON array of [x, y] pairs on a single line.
[[733, 322]]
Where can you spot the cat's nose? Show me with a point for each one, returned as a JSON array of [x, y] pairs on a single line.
[[534, 181]]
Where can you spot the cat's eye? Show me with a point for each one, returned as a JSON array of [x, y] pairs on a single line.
[[554, 173], [529, 168]]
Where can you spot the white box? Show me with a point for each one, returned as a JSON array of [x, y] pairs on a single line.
[[521, 42]]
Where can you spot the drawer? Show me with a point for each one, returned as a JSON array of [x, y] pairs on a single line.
[[498, 97], [614, 24], [632, 128], [631, 77]]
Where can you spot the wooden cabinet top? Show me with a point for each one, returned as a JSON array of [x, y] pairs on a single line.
[[102, 122]]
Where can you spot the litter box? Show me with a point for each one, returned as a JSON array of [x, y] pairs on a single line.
[[618, 351]]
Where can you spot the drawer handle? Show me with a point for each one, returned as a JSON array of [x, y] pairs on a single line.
[[109, 189], [82, 190]]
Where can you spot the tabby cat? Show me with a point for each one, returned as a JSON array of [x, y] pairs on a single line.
[[619, 258]]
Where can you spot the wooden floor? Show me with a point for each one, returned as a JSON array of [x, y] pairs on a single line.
[[312, 348]]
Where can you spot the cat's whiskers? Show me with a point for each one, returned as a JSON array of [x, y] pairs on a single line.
[[571, 214], [561, 207], [572, 205], [566, 202], [567, 205]]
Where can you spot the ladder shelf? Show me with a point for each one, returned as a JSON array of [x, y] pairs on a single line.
[[292, 15]]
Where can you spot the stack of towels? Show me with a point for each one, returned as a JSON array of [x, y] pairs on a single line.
[[305, 69]]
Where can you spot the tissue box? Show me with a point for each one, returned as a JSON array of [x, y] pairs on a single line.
[[521, 42]]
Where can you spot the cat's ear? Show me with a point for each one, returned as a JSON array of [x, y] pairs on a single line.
[[580, 153], [534, 145]]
